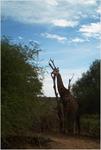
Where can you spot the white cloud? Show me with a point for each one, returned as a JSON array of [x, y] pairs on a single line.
[[87, 2], [99, 10], [92, 30], [77, 40], [59, 38], [62, 13], [64, 23], [20, 37], [48, 86], [51, 2]]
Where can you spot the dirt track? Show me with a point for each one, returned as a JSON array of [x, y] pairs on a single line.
[[52, 141], [74, 142], [59, 141]]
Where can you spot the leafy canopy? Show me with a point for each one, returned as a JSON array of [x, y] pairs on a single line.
[[19, 72], [87, 89], [20, 85]]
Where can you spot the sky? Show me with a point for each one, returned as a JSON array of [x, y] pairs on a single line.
[[68, 31]]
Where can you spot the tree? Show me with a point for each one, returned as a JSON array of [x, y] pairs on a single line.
[[20, 85], [87, 89], [19, 73]]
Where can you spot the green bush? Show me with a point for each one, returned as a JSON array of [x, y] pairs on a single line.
[[20, 85], [90, 125], [87, 89]]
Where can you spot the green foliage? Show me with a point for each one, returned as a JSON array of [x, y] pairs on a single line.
[[18, 76], [20, 86], [47, 118], [90, 125], [87, 89]]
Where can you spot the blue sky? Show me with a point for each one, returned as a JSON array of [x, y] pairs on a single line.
[[68, 31]]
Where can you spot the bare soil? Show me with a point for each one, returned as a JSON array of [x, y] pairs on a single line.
[[52, 141], [60, 141], [74, 142]]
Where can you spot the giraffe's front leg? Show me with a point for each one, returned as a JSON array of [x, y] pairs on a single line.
[[64, 123]]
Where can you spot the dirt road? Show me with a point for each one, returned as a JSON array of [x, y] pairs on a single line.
[[60, 141], [71, 142], [51, 141]]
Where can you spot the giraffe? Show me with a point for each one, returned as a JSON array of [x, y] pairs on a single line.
[[70, 104]]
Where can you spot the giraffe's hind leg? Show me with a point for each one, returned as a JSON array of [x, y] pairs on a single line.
[[78, 123], [70, 123], [74, 127]]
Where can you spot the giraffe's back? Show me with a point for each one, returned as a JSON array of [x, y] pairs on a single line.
[[71, 104]]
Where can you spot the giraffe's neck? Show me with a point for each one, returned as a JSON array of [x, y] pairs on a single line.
[[61, 89], [59, 81], [60, 84]]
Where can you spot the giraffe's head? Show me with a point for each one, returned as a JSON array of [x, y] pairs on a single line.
[[55, 69], [55, 72]]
